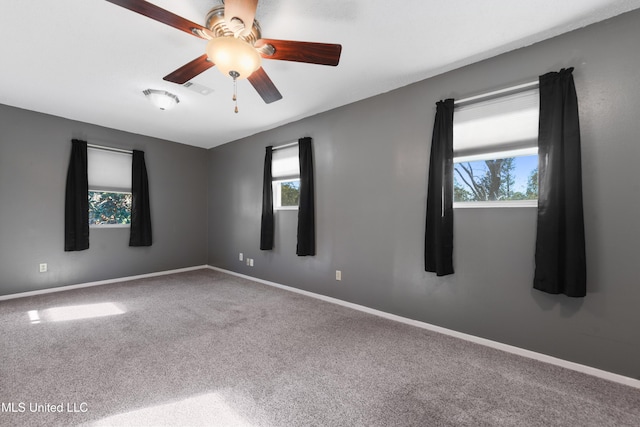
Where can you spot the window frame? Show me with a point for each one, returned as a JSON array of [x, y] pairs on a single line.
[[289, 152], [492, 156], [491, 151], [277, 194], [106, 166]]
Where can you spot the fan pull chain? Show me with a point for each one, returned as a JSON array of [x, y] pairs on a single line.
[[235, 94], [235, 75]]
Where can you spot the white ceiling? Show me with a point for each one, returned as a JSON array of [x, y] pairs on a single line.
[[90, 60]]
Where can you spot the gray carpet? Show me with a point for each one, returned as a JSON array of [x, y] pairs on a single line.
[[206, 348]]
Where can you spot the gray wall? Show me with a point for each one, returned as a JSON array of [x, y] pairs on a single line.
[[371, 162], [34, 155]]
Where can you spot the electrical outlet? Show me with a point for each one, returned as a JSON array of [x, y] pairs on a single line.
[[338, 275], [240, 257], [43, 267]]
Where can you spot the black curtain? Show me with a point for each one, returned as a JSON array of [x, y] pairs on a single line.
[[266, 225], [76, 202], [140, 233], [560, 245], [438, 242], [306, 207]]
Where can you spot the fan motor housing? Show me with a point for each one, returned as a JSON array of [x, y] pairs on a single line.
[[220, 28]]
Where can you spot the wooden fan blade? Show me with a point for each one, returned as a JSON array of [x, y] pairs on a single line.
[[264, 86], [311, 53], [190, 70], [154, 12], [245, 10]]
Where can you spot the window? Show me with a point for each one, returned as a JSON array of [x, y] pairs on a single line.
[[495, 146], [286, 194], [109, 208], [109, 174], [285, 170]]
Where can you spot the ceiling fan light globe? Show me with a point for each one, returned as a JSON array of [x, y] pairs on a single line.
[[233, 54]]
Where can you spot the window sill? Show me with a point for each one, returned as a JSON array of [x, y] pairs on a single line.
[[497, 204], [286, 208], [109, 225]]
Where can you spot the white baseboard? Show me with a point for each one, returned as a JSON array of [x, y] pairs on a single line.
[[98, 283], [621, 379]]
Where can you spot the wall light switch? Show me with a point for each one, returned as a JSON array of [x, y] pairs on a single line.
[[43, 268], [338, 275], [240, 257], [251, 262], [248, 260]]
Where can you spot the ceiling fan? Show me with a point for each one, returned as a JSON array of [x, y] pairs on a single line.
[[236, 45]]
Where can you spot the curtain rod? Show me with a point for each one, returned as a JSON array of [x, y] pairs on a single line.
[[486, 96], [116, 150], [289, 144]]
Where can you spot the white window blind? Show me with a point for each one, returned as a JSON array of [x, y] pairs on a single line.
[[109, 170], [508, 124], [285, 162]]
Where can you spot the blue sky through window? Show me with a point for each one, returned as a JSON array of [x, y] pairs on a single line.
[[523, 167]]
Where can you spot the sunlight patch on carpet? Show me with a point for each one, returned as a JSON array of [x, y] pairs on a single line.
[[74, 312], [205, 410]]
